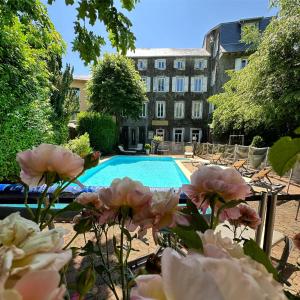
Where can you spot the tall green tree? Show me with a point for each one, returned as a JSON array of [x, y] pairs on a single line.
[[264, 97], [116, 88], [26, 44]]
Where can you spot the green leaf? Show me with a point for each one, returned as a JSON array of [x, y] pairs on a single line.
[[190, 238], [198, 222], [297, 130], [74, 206], [284, 154], [255, 252], [86, 280]]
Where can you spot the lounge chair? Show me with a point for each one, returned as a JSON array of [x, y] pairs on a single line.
[[239, 164], [139, 148], [250, 234], [216, 158], [163, 148], [188, 151], [122, 151]]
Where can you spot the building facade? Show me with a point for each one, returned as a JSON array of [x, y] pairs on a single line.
[[177, 88], [179, 82]]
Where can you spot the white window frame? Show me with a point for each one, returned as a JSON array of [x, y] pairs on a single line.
[[161, 61], [144, 113], [157, 114], [199, 64], [199, 134], [164, 85], [160, 132], [200, 109], [177, 103], [182, 134], [176, 84], [179, 64], [196, 78], [143, 65]]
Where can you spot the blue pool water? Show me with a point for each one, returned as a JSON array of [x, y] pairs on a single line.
[[160, 172]]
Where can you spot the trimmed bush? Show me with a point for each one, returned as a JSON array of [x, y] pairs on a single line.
[[80, 145], [102, 130]]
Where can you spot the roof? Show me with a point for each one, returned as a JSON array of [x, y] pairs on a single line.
[[230, 33], [82, 77], [167, 52]]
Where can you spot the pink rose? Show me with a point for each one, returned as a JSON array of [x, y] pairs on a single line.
[[36, 285], [230, 214], [226, 183], [90, 198], [248, 217], [126, 193], [198, 277], [48, 158]]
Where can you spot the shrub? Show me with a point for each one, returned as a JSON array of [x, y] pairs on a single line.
[[257, 142], [102, 130], [25, 127], [147, 146], [80, 145]]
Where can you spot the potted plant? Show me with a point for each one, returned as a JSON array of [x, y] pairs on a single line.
[[147, 148]]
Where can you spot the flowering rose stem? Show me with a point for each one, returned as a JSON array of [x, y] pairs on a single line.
[[26, 188], [40, 202], [110, 284], [72, 239], [56, 194]]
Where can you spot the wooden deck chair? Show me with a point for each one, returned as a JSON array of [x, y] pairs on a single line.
[[261, 175], [216, 158], [239, 164]]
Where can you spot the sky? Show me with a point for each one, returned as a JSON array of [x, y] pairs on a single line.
[[162, 23]]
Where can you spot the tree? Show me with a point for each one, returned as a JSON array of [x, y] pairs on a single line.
[[264, 97], [25, 47], [116, 88], [86, 42]]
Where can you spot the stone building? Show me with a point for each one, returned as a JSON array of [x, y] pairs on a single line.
[[179, 82], [177, 89], [227, 51]]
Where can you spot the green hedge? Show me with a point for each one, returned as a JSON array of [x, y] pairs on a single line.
[[101, 129], [80, 145]]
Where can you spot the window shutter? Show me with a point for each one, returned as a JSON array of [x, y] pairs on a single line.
[[156, 64], [148, 84], [238, 64], [201, 109], [173, 84], [204, 84], [154, 84], [186, 83], [174, 64], [145, 64], [167, 83], [192, 84], [204, 63], [183, 64]]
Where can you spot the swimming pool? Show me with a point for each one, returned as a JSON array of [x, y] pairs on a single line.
[[158, 172]]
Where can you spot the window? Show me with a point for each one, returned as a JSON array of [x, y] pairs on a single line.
[[197, 84], [240, 63], [197, 109], [178, 135], [211, 108], [179, 64], [160, 64], [200, 64], [144, 79], [161, 84], [195, 135], [144, 110], [179, 110], [142, 64], [244, 63], [179, 84], [160, 109], [160, 132]]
